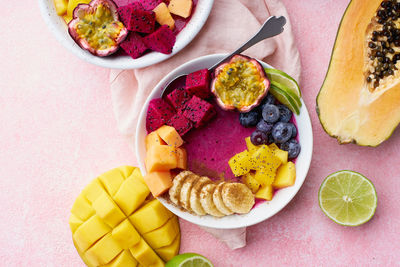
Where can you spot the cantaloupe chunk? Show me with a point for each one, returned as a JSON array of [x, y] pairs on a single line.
[[106, 209], [125, 258], [153, 139], [125, 234], [89, 232], [161, 158], [181, 158], [265, 192], [170, 136], [251, 182], [150, 216], [168, 252], [145, 255], [164, 235], [285, 176], [158, 182], [181, 8], [163, 16], [73, 3], [103, 251], [131, 195], [61, 6]]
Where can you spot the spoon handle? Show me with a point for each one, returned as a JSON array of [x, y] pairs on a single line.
[[271, 27]]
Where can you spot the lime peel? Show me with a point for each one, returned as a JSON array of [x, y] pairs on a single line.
[[189, 260]]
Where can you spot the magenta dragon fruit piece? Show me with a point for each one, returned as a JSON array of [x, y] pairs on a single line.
[[142, 21], [178, 98], [162, 40], [126, 11], [150, 4], [158, 113], [133, 45], [198, 83], [199, 111], [181, 124]]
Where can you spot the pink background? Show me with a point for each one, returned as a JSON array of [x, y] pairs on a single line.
[[57, 132]]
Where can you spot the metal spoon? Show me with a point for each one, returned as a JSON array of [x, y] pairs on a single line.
[[271, 27]]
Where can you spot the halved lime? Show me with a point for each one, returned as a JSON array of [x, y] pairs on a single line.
[[189, 260], [284, 98], [348, 198], [289, 92], [284, 79]]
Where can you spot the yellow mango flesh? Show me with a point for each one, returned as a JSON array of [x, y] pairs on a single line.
[[125, 234], [170, 136], [158, 182], [61, 6], [181, 8], [264, 158], [164, 235], [161, 158], [285, 176], [241, 163], [168, 252], [265, 176], [145, 255], [163, 16], [250, 146], [251, 182], [103, 251], [125, 258], [73, 3], [265, 192], [107, 210]]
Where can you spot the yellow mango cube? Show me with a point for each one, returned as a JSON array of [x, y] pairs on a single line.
[[170, 136], [265, 192], [182, 8], [161, 158], [181, 157], [265, 176], [264, 158], [282, 155], [93, 190], [251, 182], [103, 251], [158, 182], [125, 235], [126, 171], [145, 255], [112, 180], [168, 252], [61, 6], [73, 3], [164, 235], [150, 216], [106, 209], [153, 139], [74, 223], [241, 163], [285, 176], [67, 18], [125, 258], [82, 208], [250, 146], [163, 16], [273, 147], [137, 174], [131, 195], [89, 232]]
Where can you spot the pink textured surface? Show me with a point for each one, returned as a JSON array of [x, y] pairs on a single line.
[[58, 132]]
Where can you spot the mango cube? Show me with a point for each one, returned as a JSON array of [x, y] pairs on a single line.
[[273, 147], [138, 175], [73, 3], [170, 136], [265, 192], [265, 176], [250, 146], [125, 258], [103, 251], [279, 153], [74, 223], [163, 16], [241, 163], [153, 139], [82, 208], [285, 176], [93, 190], [145, 255], [112, 180], [125, 234], [161, 158], [61, 6], [131, 195], [126, 171], [181, 158], [251, 182], [89, 232], [264, 158], [158, 182], [164, 235], [168, 252], [182, 8], [106, 209]]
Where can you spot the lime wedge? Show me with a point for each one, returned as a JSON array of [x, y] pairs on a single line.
[[284, 98], [289, 92], [189, 260], [284, 79], [348, 198]]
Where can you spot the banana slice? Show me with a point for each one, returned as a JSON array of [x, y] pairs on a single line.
[[195, 204], [175, 190], [206, 200], [237, 197], [217, 198], [186, 189]]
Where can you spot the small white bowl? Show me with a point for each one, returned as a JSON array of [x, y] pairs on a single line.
[[59, 28], [263, 210]]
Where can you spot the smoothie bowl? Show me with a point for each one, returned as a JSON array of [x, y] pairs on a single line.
[[125, 34], [234, 165]]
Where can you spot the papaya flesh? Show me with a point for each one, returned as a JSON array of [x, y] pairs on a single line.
[[359, 101]]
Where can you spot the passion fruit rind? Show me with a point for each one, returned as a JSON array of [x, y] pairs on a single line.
[[96, 28], [241, 84]]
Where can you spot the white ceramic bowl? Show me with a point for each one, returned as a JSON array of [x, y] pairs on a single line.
[[58, 27], [262, 211]]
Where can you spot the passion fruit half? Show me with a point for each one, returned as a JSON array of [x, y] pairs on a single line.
[[240, 83], [95, 27]]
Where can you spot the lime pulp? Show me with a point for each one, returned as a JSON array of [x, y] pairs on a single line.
[[189, 260], [284, 79]]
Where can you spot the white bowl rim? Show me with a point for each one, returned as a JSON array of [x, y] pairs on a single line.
[[58, 27], [257, 214]]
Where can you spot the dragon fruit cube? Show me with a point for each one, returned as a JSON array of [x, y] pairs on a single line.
[[162, 40], [198, 83], [158, 114], [178, 98], [143, 21], [199, 111], [125, 12], [133, 45], [150, 4], [181, 124]]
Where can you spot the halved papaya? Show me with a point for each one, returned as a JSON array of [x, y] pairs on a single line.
[[359, 101]]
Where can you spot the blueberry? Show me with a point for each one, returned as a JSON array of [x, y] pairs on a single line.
[[281, 132], [258, 138], [270, 113], [270, 139], [292, 147], [285, 114], [269, 99], [294, 129], [249, 119], [264, 126]]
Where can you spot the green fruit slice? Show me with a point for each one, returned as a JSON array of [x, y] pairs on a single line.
[[284, 79], [348, 198], [189, 260], [290, 93], [284, 98]]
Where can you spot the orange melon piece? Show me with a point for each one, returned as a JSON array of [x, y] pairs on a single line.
[[158, 182], [182, 8], [161, 158], [170, 136], [163, 16], [153, 139], [181, 158]]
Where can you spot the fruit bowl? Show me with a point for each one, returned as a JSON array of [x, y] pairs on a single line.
[[262, 210], [59, 28]]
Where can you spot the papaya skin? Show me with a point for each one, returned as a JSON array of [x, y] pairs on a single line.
[[346, 109]]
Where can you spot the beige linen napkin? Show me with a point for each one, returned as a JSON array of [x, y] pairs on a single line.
[[231, 23]]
